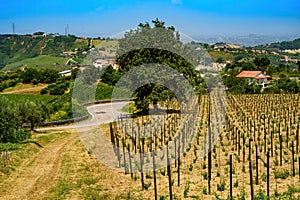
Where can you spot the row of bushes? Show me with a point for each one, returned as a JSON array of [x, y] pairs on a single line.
[[58, 88], [11, 83]]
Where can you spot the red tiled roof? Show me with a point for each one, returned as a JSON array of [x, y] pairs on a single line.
[[252, 74], [248, 74]]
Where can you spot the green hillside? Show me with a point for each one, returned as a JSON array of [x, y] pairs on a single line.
[[43, 61], [295, 44], [31, 97], [39, 51]]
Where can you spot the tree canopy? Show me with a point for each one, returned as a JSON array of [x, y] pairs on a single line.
[[159, 44]]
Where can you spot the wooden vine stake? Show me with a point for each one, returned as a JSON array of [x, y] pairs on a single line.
[[153, 164], [154, 175], [142, 166], [293, 157], [299, 166], [178, 161], [209, 150], [256, 165], [124, 156], [231, 196], [130, 163], [169, 173], [251, 181], [268, 174]]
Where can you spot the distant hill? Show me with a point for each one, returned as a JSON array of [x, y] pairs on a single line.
[[14, 49], [279, 46], [246, 40], [42, 61]]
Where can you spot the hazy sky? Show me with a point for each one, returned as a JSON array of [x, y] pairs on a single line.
[[108, 17]]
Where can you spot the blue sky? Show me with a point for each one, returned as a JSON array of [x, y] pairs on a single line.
[[108, 17]]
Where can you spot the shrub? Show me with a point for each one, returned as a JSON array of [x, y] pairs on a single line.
[[186, 189], [221, 187], [146, 185], [205, 175], [261, 196], [283, 174]]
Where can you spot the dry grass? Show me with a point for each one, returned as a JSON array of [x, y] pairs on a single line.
[[21, 88]]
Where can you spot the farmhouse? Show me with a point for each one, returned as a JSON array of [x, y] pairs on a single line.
[[103, 62], [66, 73], [255, 77]]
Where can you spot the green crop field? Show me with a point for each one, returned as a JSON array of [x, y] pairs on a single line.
[[44, 61], [216, 54], [32, 97], [108, 45], [97, 42]]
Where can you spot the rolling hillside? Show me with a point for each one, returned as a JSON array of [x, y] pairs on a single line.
[[42, 61], [43, 51], [286, 45]]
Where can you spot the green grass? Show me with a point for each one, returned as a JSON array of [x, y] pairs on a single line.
[[130, 108], [217, 54], [43, 61], [103, 91], [108, 45], [32, 97], [80, 43], [97, 42]]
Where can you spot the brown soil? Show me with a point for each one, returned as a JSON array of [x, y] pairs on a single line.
[[35, 177]]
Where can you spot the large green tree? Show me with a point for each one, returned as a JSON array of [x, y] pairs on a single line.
[[158, 44], [10, 126], [8, 121], [261, 62], [31, 113]]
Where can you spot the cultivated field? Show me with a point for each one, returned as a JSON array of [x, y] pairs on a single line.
[[43, 61], [261, 131]]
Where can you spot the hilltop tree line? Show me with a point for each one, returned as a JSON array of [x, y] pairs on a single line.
[[295, 44]]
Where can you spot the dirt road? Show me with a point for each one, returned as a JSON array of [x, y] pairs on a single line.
[[34, 177]]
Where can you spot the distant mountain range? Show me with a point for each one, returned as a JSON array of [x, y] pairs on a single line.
[[248, 40]]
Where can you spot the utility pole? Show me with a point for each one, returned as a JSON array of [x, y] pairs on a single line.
[[13, 28]]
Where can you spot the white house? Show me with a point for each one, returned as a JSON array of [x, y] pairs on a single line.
[[104, 62], [255, 76], [66, 72]]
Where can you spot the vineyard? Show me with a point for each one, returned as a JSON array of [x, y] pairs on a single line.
[[247, 148]]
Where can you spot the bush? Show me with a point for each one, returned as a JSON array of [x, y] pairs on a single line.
[[57, 91], [186, 189], [261, 196], [205, 175], [19, 136], [44, 91], [58, 88], [34, 81], [283, 174], [103, 91], [221, 187], [3, 86]]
